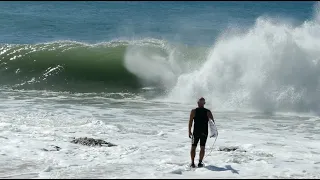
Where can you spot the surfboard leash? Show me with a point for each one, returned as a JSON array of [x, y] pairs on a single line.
[[211, 149]]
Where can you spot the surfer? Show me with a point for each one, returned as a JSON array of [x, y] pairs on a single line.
[[200, 116]]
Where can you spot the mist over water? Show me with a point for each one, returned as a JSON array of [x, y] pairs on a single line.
[[273, 66]]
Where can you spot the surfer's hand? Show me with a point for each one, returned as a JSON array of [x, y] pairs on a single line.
[[190, 134]]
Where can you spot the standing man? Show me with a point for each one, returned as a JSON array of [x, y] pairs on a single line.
[[201, 117]]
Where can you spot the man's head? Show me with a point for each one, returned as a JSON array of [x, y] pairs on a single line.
[[201, 102]]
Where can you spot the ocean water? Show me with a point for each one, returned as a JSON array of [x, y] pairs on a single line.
[[130, 72]]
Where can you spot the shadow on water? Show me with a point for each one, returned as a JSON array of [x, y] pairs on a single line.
[[226, 168]]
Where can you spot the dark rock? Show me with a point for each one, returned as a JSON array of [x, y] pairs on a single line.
[[3, 137], [52, 148], [229, 149], [91, 142]]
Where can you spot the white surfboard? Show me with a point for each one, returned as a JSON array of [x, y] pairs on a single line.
[[213, 129]]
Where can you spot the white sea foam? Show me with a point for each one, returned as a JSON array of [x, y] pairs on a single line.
[[152, 141]]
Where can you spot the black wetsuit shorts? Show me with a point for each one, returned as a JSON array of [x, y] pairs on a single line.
[[201, 137]]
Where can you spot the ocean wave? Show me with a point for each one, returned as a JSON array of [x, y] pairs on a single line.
[[73, 66]]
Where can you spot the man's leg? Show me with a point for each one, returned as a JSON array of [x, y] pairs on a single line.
[[202, 152], [193, 153], [203, 141], [195, 141]]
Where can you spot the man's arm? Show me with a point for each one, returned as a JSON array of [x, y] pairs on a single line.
[[210, 115], [191, 121]]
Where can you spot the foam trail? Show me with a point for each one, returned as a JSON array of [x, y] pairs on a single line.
[[274, 66]]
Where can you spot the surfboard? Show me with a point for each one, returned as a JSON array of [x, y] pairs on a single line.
[[213, 129]]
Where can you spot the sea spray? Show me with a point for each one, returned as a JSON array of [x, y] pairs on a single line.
[[272, 67]]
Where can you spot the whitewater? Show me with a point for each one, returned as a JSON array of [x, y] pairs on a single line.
[[268, 146], [260, 81]]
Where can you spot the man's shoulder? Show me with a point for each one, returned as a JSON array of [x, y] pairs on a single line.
[[203, 108]]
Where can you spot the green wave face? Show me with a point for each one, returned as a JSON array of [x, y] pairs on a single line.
[[65, 66], [78, 67]]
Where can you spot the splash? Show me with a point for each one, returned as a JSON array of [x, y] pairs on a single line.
[[273, 66]]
